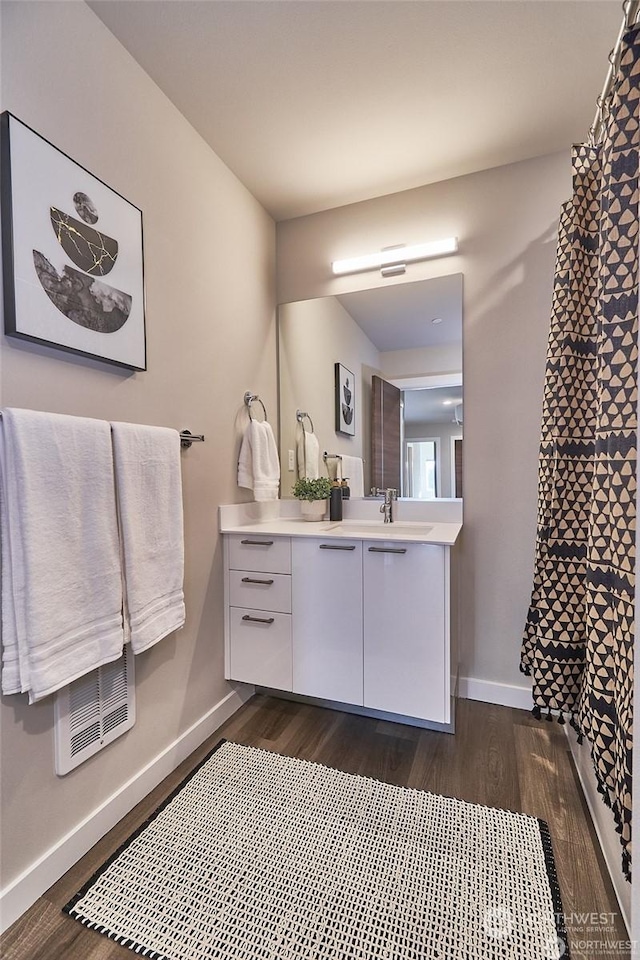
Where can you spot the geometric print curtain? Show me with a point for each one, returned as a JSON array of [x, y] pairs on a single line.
[[578, 640]]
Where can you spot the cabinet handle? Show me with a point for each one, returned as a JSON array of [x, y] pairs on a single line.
[[252, 580], [258, 619], [258, 543], [335, 546], [387, 549]]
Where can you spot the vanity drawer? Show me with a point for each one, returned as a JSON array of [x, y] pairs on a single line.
[[260, 591], [248, 551], [260, 647]]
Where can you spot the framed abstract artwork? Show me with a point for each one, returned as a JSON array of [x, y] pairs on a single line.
[[72, 254], [345, 401]]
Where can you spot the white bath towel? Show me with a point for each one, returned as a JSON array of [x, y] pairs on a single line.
[[61, 575], [258, 464], [149, 492], [308, 455], [353, 468]]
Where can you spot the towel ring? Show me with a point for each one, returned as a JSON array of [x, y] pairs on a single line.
[[301, 415], [249, 398]]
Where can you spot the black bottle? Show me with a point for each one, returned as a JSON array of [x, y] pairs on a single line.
[[346, 489], [335, 502]]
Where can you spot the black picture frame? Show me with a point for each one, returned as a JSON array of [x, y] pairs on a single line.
[[345, 400], [68, 284]]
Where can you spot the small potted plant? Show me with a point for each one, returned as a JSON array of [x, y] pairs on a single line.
[[313, 495]]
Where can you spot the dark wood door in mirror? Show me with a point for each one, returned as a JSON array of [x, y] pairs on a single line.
[[385, 434]]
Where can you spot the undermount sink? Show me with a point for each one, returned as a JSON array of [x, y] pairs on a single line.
[[387, 531]]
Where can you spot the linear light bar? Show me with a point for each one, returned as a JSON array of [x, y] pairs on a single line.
[[386, 258]]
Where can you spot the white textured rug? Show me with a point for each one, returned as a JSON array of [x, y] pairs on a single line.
[[263, 857]]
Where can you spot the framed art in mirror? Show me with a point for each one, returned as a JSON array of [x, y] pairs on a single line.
[[72, 254], [345, 401]]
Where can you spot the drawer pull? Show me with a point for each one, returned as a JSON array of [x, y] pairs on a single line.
[[258, 543], [267, 583], [335, 546], [258, 619], [387, 549]]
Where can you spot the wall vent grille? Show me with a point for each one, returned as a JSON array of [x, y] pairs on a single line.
[[93, 711]]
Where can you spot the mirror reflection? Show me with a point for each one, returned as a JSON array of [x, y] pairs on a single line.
[[400, 347]]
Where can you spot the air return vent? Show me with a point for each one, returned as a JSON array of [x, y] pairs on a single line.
[[93, 711]]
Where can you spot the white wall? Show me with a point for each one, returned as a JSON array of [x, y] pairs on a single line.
[[210, 336], [505, 219], [314, 335], [443, 358]]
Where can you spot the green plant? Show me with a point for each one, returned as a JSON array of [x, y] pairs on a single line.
[[318, 489]]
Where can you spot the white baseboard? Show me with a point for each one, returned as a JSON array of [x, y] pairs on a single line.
[[32, 883], [603, 823], [505, 694]]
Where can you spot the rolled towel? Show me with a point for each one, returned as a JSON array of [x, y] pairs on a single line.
[[149, 491], [61, 571]]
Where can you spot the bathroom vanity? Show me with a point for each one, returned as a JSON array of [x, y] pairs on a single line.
[[357, 613]]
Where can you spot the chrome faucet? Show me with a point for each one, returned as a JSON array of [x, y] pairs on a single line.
[[390, 495]]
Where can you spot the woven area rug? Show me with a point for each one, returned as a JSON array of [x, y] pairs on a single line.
[[263, 857]]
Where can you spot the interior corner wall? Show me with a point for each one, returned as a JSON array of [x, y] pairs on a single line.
[[313, 337], [210, 322], [505, 219], [421, 361]]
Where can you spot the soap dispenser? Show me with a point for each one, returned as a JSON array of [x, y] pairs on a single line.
[[335, 501]]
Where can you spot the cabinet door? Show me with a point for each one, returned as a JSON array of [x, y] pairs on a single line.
[[327, 619], [405, 645], [260, 647]]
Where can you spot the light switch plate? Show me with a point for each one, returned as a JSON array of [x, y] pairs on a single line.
[[291, 460]]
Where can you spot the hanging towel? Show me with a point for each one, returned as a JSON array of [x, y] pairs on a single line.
[[149, 493], [308, 455], [61, 576], [258, 464], [353, 468]]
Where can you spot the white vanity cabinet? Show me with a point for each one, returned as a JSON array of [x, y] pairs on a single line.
[[258, 610], [406, 629], [357, 620], [327, 619]]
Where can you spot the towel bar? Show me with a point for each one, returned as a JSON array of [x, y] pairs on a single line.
[[186, 437], [333, 456]]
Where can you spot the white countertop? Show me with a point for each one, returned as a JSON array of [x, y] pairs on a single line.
[[441, 533]]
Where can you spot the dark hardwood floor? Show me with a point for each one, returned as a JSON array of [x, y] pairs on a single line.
[[499, 756]]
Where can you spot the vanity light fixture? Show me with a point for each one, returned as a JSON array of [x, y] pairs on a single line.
[[392, 260]]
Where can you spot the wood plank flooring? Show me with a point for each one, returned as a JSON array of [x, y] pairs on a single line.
[[499, 756]]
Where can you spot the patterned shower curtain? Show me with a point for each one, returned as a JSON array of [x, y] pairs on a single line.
[[578, 642]]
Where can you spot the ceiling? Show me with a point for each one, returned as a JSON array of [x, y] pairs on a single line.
[[318, 103], [441, 405], [401, 317]]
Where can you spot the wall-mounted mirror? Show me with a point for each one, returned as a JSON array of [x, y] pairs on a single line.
[[401, 348]]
